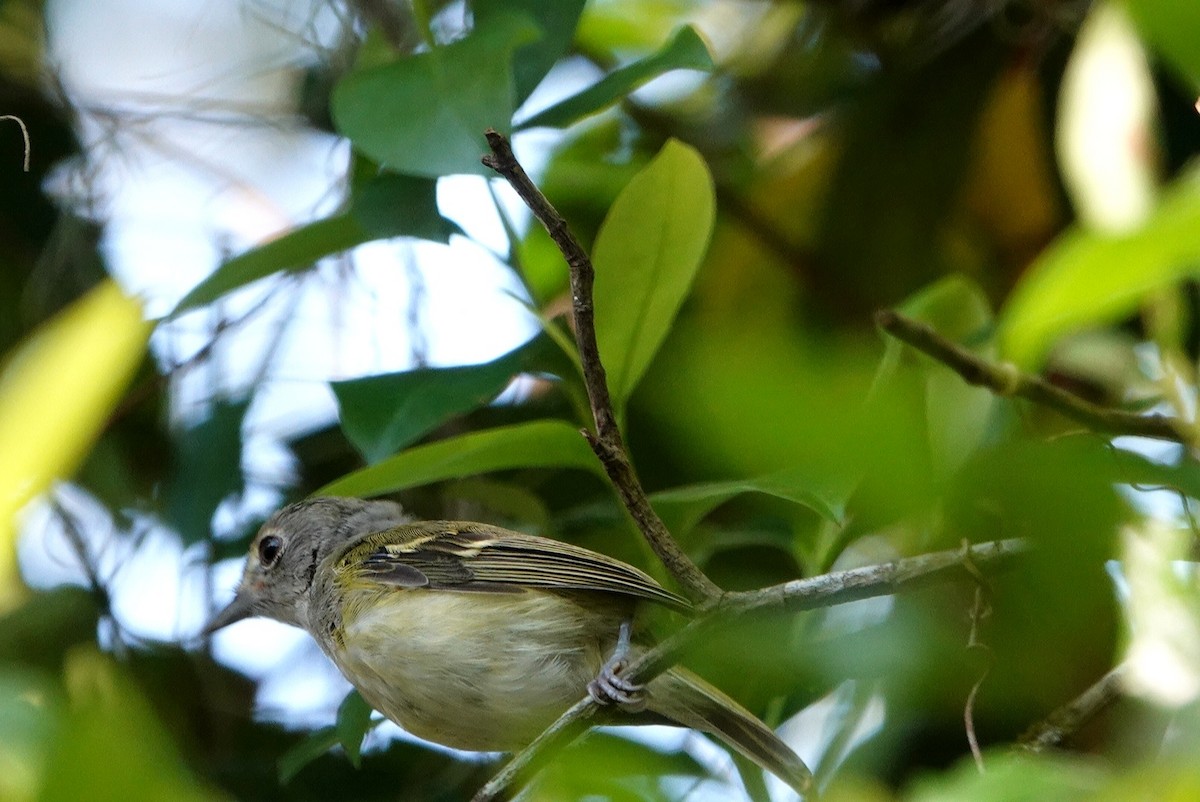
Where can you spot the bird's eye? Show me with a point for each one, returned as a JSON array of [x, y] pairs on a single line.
[[268, 550]]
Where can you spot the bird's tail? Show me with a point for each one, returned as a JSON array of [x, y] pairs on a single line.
[[686, 699]]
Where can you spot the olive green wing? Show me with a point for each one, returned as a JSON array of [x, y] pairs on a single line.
[[450, 555]]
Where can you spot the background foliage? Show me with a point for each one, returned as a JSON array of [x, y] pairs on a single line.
[[819, 161]]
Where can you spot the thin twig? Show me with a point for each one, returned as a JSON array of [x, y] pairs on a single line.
[[24, 135], [801, 594], [979, 611], [1069, 718], [1006, 379], [607, 442]]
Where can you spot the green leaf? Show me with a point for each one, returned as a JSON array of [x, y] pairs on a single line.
[[295, 250], [312, 747], [353, 724], [685, 51], [1172, 28], [541, 444], [531, 62], [383, 207], [646, 254], [1088, 278], [682, 508], [382, 414], [425, 114], [391, 205], [207, 470], [1013, 778]]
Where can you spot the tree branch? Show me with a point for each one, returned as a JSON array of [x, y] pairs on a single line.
[[1066, 720], [607, 442], [801, 594], [1006, 379]]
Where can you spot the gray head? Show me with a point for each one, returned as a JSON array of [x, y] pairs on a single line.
[[285, 553]]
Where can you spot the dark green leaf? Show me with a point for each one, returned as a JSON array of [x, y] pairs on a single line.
[[207, 470], [543, 444], [382, 414], [646, 255], [685, 51], [683, 507], [425, 115], [400, 206], [316, 744], [353, 724], [383, 207], [531, 62], [295, 250]]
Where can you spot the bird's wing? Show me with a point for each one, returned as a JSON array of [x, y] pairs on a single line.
[[451, 555]]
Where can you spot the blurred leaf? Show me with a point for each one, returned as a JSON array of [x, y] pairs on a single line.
[[682, 508], [531, 62], [685, 51], [1012, 778], [542, 444], [382, 414], [425, 114], [29, 722], [208, 470], [1172, 28], [1087, 278], [56, 393], [110, 745], [610, 766], [646, 255], [317, 743], [353, 724], [957, 412], [383, 207]]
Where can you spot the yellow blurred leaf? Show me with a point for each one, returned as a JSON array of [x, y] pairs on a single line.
[[56, 391]]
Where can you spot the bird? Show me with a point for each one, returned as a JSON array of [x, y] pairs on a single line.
[[474, 636]]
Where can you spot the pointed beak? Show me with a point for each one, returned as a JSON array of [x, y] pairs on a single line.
[[241, 607]]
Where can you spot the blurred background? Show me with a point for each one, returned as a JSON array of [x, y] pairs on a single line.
[[254, 255]]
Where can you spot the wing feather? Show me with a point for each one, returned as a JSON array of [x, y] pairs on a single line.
[[451, 555]]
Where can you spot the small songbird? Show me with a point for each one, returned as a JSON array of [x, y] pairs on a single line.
[[473, 636]]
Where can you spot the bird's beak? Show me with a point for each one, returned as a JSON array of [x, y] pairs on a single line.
[[241, 607]]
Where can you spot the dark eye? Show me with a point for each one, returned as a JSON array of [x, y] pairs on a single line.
[[268, 550]]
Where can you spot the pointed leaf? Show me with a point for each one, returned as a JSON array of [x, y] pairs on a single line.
[[542, 444], [685, 51], [353, 724], [316, 744], [425, 114], [383, 207], [1088, 278], [531, 62], [646, 255], [382, 414], [207, 470]]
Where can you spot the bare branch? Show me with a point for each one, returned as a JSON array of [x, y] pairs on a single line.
[[1006, 379], [24, 135], [801, 594], [607, 441], [1069, 718]]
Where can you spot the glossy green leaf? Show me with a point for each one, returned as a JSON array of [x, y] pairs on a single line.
[[382, 414], [542, 444], [1087, 278], [353, 724], [425, 114], [646, 255], [685, 51], [531, 62], [1172, 28], [385, 206], [683, 507]]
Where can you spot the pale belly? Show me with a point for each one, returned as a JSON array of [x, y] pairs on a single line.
[[477, 671]]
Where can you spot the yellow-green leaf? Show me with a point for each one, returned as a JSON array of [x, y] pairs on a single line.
[[646, 255]]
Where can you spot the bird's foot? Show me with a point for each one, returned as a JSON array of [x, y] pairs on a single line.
[[609, 687]]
